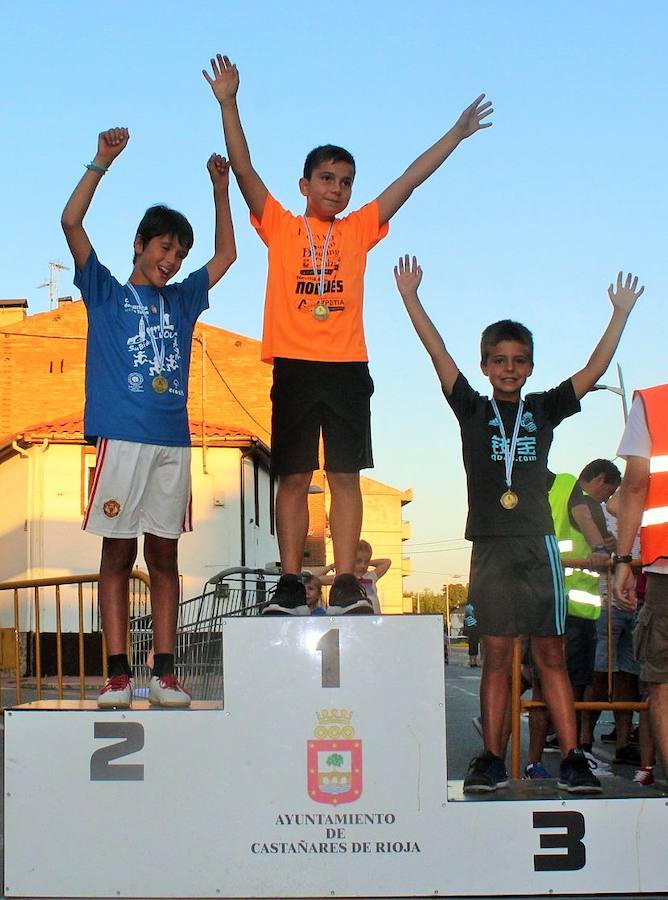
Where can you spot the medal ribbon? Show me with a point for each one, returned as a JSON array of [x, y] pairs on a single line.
[[159, 355], [311, 244], [509, 450]]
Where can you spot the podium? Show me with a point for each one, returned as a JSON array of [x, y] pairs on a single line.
[[320, 773]]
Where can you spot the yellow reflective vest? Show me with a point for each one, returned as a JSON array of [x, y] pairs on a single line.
[[584, 600]]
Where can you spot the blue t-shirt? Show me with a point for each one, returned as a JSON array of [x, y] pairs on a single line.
[[120, 356]]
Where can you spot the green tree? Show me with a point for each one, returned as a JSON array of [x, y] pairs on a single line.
[[335, 759]]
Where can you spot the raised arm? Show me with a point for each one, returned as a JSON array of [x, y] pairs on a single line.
[[425, 165], [623, 300], [109, 144], [224, 82], [224, 247], [380, 566], [408, 278]]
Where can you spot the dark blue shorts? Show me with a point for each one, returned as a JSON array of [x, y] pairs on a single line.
[[517, 586]]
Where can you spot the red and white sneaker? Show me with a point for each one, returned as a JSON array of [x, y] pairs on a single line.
[[165, 690], [644, 776], [116, 693]]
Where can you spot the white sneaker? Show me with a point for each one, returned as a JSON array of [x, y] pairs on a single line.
[[116, 693], [165, 690], [599, 768]]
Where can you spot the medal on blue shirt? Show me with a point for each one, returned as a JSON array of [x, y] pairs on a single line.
[[320, 311], [159, 384], [509, 498]]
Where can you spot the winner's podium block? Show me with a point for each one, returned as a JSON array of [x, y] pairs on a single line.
[[320, 773]]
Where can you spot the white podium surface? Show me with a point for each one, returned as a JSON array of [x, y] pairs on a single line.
[[324, 774]]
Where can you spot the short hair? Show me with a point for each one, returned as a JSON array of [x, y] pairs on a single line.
[[610, 472], [365, 546], [505, 330], [326, 153], [161, 219], [310, 578]]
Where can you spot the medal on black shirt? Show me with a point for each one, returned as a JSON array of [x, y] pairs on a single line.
[[321, 310], [509, 498]]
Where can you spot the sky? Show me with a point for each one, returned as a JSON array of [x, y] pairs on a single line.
[[530, 219]]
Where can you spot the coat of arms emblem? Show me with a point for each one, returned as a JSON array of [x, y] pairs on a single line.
[[334, 759]]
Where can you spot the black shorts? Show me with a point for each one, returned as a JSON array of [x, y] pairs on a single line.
[[517, 586], [313, 397]]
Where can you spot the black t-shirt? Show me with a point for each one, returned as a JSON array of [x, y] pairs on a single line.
[[579, 498], [484, 459]]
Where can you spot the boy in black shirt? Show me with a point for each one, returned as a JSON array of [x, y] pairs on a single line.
[[516, 582]]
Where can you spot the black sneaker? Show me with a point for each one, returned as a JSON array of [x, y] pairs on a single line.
[[347, 597], [627, 756], [486, 773], [576, 777], [289, 598], [610, 737], [551, 743]]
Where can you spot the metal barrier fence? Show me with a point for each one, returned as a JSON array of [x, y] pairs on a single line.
[[519, 705], [38, 599], [199, 635]]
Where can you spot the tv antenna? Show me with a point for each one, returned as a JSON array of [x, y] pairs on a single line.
[[52, 283]]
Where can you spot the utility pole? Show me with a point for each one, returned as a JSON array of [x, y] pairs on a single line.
[[52, 283]]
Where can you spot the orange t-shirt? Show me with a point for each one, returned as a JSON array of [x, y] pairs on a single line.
[[290, 328]]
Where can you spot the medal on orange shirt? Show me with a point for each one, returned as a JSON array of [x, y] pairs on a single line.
[[509, 498], [320, 311]]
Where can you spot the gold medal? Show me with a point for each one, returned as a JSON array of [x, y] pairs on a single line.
[[509, 499], [320, 311], [160, 384]]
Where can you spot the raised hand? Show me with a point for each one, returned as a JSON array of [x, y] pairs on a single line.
[[625, 296], [219, 170], [470, 120], [225, 80], [110, 144], [407, 276]]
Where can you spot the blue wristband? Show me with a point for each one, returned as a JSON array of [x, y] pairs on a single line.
[[93, 167]]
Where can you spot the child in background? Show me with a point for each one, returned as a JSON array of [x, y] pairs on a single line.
[[313, 589], [367, 572]]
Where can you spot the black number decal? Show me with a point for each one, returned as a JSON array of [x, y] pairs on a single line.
[[575, 856], [329, 646], [132, 734]]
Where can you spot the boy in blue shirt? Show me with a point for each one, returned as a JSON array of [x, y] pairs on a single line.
[[516, 583], [137, 362]]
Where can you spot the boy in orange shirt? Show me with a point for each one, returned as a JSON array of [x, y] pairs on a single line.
[[314, 335]]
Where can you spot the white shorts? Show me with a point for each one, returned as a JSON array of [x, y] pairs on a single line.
[[139, 488]]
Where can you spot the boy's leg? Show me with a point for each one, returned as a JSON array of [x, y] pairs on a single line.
[[161, 556], [118, 557], [161, 559], [495, 690], [292, 519], [548, 655], [345, 518]]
